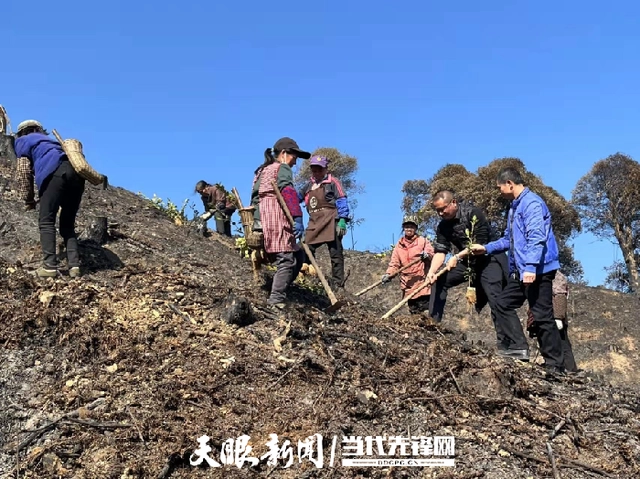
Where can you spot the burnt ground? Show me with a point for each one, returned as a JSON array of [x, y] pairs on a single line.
[[603, 324], [116, 374]]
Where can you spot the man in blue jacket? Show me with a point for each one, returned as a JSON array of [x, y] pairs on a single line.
[[59, 186], [533, 262]]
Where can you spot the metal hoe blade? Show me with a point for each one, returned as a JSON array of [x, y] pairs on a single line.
[[334, 307]]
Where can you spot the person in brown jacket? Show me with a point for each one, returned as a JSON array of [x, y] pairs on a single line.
[[217, 204], [560, 287]]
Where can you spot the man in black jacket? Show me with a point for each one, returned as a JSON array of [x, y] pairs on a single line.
[[490, 273]]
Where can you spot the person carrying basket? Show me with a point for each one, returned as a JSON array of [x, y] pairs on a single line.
[[59, 187]]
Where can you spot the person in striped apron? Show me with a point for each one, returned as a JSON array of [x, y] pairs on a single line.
[[280, 238]]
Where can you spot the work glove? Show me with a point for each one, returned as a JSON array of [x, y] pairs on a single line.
[[424, 256], [298, 228], [341, 228], [385, 279], [560, 324], [206, 216]]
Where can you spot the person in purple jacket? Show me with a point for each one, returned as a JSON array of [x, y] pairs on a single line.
[[60, 187], [533, 262]]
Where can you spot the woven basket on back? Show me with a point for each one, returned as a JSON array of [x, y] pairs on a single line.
[[73, 149], [255, 239]]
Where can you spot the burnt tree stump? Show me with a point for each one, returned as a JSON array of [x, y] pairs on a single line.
[[7, 150], [237, 310], [96, 230]]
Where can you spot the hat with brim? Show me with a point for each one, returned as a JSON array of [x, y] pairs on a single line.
[[320, 161], [410, 219], [29, 123], [291, 146]]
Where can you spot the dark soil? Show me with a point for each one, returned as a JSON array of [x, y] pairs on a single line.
[[603, 324], [118, 373]]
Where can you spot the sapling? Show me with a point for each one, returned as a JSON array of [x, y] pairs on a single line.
[[470, 273]]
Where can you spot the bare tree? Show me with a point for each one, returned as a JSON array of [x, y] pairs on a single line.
[[617, 277], [608, 201], [353, 221]]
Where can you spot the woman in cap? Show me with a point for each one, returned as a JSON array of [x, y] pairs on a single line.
[[410, 247], [59, 186], [279, 236], [328, 211]]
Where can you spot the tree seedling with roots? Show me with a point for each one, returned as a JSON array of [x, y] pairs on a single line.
[[470, 273]]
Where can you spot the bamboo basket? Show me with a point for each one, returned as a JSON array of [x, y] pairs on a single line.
[[255, 240], [73, 149]]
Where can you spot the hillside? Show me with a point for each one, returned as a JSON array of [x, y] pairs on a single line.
[[604, 327], [117, 374]]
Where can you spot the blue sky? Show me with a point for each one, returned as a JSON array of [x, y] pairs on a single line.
[[163, 94]]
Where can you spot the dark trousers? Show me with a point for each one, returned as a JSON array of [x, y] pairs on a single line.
[[539, 295], [337, 259], [509, 333], [418, 305], [569, 360], [288, 266], [62, 190], [223, 227]]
